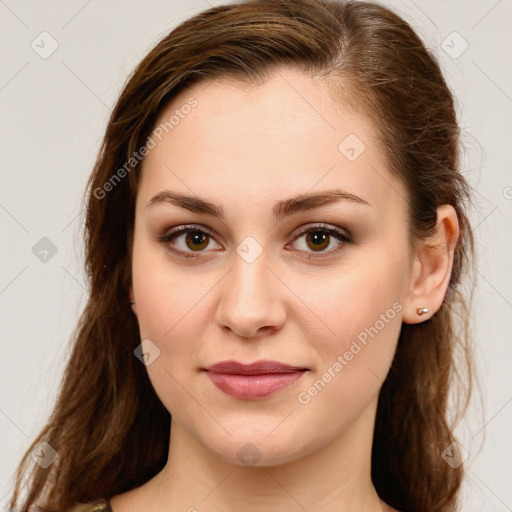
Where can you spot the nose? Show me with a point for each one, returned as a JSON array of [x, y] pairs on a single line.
[[251, 303]]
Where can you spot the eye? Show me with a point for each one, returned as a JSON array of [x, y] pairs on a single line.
[[187, 240], [317, 239], [184, 241]]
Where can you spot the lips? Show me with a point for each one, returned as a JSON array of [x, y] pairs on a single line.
[[256, 368], [253, 381]]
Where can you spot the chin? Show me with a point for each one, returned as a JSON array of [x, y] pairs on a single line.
[[260, 449]]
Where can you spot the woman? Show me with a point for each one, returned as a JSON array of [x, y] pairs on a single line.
[[275, 233]]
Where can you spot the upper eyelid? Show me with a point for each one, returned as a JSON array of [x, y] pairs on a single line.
[[188, 227], [299, 231]]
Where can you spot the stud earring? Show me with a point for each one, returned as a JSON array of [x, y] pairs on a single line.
[[422, 311]]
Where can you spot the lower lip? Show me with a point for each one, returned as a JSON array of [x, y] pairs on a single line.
[[253, 387]]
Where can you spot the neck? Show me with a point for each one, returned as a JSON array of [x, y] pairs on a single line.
[[333, 478]]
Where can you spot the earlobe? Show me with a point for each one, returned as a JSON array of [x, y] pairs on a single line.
[[432, 268]]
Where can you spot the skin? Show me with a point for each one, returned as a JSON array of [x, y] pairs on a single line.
[[245, 148]]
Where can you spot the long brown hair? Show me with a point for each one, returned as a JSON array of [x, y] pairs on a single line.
[[110, 430]]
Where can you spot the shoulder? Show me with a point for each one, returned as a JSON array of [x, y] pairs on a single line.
[[96, 506]]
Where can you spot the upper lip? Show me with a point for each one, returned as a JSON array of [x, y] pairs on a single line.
[[256, 368]]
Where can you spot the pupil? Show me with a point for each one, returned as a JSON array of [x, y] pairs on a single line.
[[319, 237]]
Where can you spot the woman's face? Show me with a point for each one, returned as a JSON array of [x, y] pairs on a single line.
[[262, 275]]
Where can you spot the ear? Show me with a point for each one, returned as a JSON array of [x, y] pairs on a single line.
[[133, 304], [432, 268]]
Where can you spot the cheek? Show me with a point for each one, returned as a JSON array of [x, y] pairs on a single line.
[[361, 314], [174, 320], [356, 358], [167, 298], [171, 313]]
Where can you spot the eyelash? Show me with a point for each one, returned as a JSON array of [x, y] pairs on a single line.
[[341, 236]]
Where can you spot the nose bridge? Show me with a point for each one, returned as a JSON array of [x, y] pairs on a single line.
[[250, 297]]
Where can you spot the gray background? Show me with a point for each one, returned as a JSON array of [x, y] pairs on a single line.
[[54, 112]]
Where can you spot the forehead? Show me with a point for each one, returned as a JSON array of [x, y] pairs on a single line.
[[282, 138]]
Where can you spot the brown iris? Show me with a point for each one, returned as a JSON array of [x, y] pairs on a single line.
[[319, 239], [196, 240]]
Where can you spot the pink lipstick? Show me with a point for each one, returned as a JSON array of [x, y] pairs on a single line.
[[253, 381]]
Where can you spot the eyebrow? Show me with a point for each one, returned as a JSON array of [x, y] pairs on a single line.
[[281, 209]]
